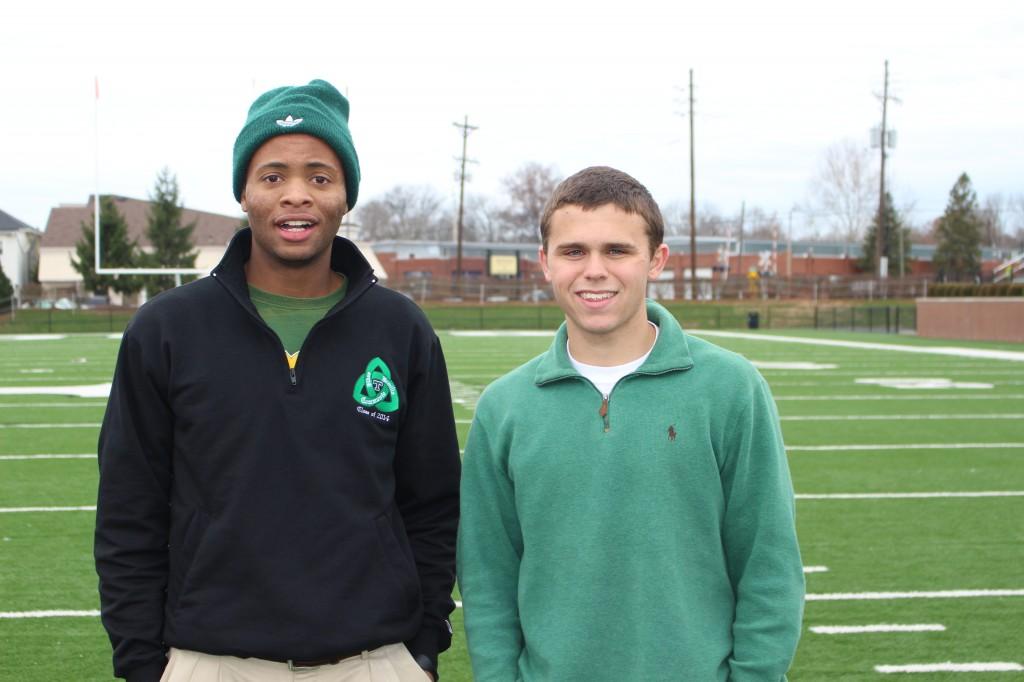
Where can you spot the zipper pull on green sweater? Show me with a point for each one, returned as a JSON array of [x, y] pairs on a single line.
[[604, 413]]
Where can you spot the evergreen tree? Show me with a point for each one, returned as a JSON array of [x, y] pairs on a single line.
[[894, 227], [6, 290], [959, 230], [115, 252], [171, 241]]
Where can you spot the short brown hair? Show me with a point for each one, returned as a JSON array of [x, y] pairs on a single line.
[[598, 186]]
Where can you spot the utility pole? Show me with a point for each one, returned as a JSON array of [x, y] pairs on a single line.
[[882, 235], [693, 206], [466, 128]]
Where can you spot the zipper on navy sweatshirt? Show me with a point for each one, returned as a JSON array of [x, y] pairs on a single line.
[[293, 378]]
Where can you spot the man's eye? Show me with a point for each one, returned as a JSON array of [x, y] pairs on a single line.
[[272, 177], [320, 179]]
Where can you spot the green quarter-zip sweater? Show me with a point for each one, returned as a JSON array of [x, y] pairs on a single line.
[[649, 538]]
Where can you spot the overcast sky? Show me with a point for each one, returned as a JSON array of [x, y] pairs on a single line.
[[568, 84]]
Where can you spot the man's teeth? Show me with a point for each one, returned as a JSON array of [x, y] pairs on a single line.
[[595, 296], [294, 225]]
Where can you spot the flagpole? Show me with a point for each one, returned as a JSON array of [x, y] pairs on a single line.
[[96, 198]]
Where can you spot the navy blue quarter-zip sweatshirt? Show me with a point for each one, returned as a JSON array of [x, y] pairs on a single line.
[[249, 510]]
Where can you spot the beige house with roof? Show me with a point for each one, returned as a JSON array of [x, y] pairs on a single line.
[[57, 275], [211, 235]]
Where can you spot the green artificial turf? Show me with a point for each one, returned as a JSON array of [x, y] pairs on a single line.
[[866, 545]]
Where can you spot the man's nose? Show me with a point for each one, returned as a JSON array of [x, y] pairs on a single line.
[[296, 193], [594, 266]]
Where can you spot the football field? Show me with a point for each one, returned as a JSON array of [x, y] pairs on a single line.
[[907, 458]]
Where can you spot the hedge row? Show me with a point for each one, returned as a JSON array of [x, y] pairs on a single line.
[[955, 289]]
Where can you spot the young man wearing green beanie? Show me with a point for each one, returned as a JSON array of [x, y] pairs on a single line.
[[627, 511], [279, 468]]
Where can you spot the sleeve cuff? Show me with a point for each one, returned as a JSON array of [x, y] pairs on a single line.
[[428, 643], [151, 672]]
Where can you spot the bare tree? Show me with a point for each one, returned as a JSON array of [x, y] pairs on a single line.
[[527, 190], [845, 190], [404, 212], [760, 224], [992, 213], [1015, 220]]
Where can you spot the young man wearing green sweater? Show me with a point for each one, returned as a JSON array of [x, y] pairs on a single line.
[[627, 510]]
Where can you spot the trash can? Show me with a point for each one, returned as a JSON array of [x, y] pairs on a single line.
[[753, 320]]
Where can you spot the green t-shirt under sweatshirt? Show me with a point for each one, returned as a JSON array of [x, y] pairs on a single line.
[[292, 318]]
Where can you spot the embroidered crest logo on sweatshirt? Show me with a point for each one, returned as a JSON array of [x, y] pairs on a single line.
[[374, 387]]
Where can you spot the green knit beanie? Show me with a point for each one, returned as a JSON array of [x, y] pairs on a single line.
[[317, 109]]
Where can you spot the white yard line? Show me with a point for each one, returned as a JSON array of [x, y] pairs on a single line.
[[906, 446], [19, 457], [89, 404], [83, 425], [49, 614], [831, 496], [939, 594], [86, 391], [905, 396], [908, 496], [951, 667], [32, 337], [815, 569], [498, 334], [881, 627], [30, 510], [957, 351], [896, 417]]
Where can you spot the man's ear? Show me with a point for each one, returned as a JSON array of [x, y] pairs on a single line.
[[542, 256], [658, 261]]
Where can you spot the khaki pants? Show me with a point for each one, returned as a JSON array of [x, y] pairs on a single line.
[[390, 663]]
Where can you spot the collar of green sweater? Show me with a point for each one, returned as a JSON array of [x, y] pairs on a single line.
[[670, 352]]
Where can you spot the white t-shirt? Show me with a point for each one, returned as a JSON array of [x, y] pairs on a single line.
[[605, 378]]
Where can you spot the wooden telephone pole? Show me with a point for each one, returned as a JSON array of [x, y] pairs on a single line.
[[466, 128]]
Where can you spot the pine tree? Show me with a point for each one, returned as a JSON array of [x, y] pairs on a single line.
[[115, 252], [894, 226], [959, 230], [170, 239]]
